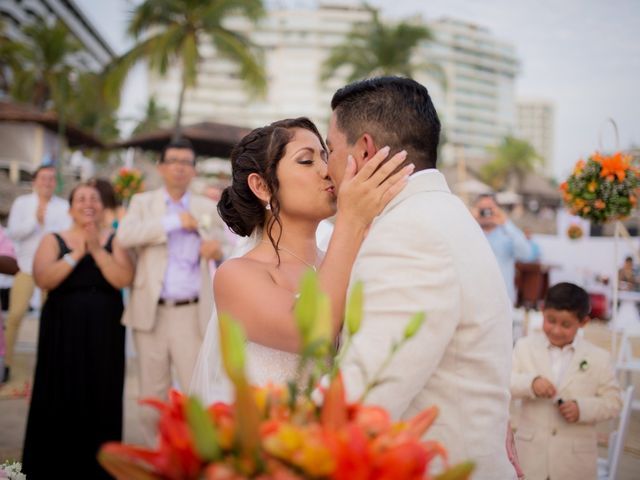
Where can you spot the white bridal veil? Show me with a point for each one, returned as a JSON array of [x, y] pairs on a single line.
[[209, 381]]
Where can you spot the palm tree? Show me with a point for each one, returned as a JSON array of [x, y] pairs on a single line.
[[513, 160], [155, 116], [9, 60], [41, 66], [90, 109], [169, 31], [376, 48]]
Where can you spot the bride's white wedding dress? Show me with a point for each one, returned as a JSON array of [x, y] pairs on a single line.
[[264, 364]]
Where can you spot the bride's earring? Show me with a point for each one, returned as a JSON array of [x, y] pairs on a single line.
[[268, 205]]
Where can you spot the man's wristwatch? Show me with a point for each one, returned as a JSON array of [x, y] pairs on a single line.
[[70, 260]]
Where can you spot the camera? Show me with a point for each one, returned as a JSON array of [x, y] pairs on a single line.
[[486, 212]]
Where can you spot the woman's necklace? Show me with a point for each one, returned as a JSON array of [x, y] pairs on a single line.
[[293, 255]]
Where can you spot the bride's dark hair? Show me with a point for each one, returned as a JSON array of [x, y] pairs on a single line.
[[259, 152]]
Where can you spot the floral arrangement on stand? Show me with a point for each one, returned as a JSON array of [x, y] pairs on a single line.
[[603, 188], [287, 432], [127, 182], [574, 232]]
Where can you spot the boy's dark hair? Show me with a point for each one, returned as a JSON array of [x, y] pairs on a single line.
[[182, 143], [569, 297], [395, 111]]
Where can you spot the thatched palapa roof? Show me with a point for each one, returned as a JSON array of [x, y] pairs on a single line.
[[209, 139], [20, 113]]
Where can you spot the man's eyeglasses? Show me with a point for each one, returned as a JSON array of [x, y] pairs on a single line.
[[176, 161]]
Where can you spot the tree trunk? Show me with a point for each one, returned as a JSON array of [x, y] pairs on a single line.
[[177, 129]]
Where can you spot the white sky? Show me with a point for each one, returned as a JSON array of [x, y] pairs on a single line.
[[583, 55]]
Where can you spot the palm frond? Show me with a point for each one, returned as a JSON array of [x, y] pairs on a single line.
[[239, 50]]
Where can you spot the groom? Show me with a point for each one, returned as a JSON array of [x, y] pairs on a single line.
[[425, 252]]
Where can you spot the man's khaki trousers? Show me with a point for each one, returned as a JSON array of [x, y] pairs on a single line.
[[174, 342], [19, 297]]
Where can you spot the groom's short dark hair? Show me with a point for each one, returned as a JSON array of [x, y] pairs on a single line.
[[395, 111]]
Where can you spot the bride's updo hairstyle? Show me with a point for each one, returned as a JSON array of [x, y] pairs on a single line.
[[259, 152]]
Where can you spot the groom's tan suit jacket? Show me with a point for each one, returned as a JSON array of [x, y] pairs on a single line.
[[143, 231], [425, 252]]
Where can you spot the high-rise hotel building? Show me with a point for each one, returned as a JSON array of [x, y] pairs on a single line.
[[476, 102]]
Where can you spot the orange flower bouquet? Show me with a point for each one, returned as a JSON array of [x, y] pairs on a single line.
[[128, 182], [279, 432], [603, 188]]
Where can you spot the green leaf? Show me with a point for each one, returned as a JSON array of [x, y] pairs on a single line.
[[353, 315], [305, 310], [414, 325], [204, 433], [232, 345], [461, 471], [322, 330]]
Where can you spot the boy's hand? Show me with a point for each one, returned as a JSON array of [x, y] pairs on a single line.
[[543, 388], [570, 411]]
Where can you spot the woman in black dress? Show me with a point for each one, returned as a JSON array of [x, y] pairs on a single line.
[[77, 391]]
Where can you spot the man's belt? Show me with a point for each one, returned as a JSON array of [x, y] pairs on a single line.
[[177, 303]]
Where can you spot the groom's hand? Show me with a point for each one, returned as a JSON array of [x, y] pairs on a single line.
[[364, 194]]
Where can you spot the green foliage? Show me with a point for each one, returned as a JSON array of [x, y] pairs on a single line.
[[169, 32], [353, 315], [41, 65], [376, 48], [232, 341], [155, 117], [39, 70], [512, 159], [205, 438]]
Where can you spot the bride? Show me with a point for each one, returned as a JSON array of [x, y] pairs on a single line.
[[280, 192]]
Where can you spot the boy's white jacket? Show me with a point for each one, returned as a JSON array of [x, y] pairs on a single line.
[[548, 446]]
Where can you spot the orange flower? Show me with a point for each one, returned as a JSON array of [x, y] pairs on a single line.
[[586, 209], [373, 420], [593, 185], [406, 460], [176, 456], [579, 204], [633, 200], [614, 166], [351, 452], [579, 167], [564, 186], [599, 204], [302, 447]]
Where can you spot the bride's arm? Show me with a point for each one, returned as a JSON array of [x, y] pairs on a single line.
[[264, 308]]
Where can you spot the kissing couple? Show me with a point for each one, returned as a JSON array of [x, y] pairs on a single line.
[[398, 229]]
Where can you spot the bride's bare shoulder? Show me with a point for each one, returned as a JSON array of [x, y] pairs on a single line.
[[243, 269]]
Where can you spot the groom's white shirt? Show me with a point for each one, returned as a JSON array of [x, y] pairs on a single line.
[[425, 252]]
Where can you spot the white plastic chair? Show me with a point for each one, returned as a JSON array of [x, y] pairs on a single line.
[[608, 467], [626, 362]]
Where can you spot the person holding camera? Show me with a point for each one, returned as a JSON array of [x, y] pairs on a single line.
[[507, 241]]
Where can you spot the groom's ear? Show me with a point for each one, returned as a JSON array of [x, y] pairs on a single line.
[[368, 147]]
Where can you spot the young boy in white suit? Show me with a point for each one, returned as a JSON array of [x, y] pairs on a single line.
[[567, 385]]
